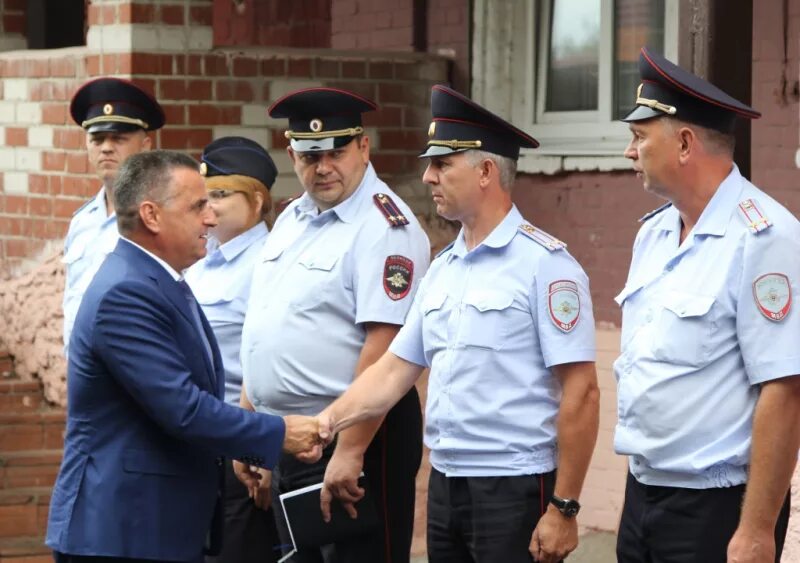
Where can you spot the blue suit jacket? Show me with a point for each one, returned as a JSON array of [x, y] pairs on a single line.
[[145, 423]]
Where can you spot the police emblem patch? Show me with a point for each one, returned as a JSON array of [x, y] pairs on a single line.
[[773, 295], [398, 272], [564, 304]]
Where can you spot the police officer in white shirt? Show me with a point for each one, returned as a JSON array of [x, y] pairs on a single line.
[[331, 289], [117, 116], [504, 321], [238, 175], [709, 396]]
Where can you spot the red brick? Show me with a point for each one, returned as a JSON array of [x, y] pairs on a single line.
[[172, 89], [215, 115], [146, 84], [54, 114], [76, 186], [183, 139], [55, 161], [386, 116], [93, 17], [124, 63], [175, 114], [36, 68], [17, 248], [353, 69], [273, 67], [18, 520], [14, 23], [199, 90], [40, 206], [279, 140], [245, 66], [55, 184], [16, 136], [16, 204], [65, 207], [381, 70], [326, 68], [77, 163], [15, 5], [108, 15], [234, 90], [37, 184], [194, 65], [216, 65], [365, 88], [150, 63], [62, 67], [173, 15], [137, 13], [70, 139], [402, 140], [92, 65], [299, 67], [201, 15]]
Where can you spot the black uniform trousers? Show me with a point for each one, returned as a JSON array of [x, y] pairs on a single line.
[[485, 519], [391, 463], [676, 525], [248, 533], [64, 558]]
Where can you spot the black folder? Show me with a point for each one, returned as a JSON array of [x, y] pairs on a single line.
[[308, 529]]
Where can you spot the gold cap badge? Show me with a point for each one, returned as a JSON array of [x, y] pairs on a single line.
[[108, 109], [315, 125], [431, 129], [203, 169]]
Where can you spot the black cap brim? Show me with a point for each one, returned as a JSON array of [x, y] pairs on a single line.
[[640, 113], [434, 150], [113, 127]]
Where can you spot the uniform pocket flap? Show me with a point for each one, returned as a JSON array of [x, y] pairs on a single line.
[[324, 262], [688, 304], [433, 301], [488, 300]]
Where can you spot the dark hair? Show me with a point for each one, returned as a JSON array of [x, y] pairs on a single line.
[[145, 176]]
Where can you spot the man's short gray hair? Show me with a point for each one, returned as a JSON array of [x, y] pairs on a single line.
[[145, 176], [506, 166], [716, 142]]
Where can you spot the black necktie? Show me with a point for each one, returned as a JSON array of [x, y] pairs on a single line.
[[194, 307]]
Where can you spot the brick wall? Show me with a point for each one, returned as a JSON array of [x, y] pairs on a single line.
[[273, 23], [372, 24], [448, 34], [166, 48], [12, 24]]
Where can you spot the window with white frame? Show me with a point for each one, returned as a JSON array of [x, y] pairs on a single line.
[[572, 72]]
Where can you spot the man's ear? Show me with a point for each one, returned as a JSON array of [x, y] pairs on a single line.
[[147, 142], [291, 154], [363, 148], [688, 143], [150, 214], [486, 168]]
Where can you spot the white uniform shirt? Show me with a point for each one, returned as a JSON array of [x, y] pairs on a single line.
[[490, 323], [695, 343], [92, 235], [221, 284], [319, 278]]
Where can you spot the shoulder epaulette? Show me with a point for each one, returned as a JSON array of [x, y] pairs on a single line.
[[753, 217], [81, 207], [445, 249], [390, 210], [550, 242], [654, 212]]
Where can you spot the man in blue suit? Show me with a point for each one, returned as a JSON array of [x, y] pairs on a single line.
[[146, 426]]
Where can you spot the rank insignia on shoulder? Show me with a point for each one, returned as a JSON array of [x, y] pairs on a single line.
[[654, 212], [753, 217], [550, 242], [390, 210]]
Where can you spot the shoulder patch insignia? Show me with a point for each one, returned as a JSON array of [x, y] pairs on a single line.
[[564, 304], [654, 212], [445, 249], [550, 242], [398, 273], [773, 295], [753, 217], [81, 207], [390, 210]]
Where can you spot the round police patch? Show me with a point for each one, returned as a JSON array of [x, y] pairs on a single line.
[[773, 295], [564, 304], [398, 273]]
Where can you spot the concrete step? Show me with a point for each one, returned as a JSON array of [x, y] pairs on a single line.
[[25, 550], [23, 512], [37, 468], [40, 429]]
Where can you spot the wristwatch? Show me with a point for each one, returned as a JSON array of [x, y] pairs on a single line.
[[566, 506]]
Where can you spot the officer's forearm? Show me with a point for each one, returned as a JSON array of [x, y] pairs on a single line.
[[776, 438], [578, 421]]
